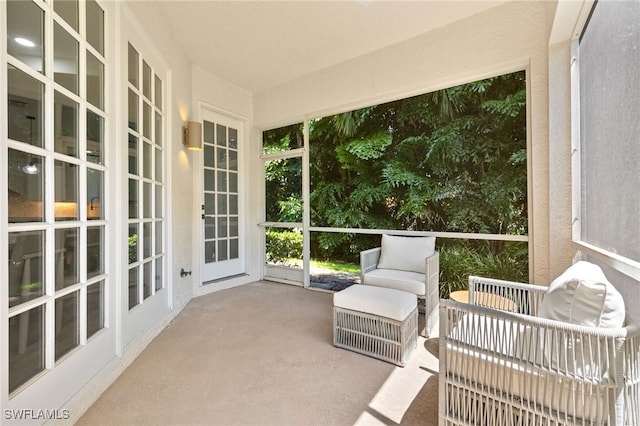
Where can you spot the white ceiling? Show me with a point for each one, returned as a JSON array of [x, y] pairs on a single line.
[[260, 44]]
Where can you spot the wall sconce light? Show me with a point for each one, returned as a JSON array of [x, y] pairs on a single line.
[[192, 135]]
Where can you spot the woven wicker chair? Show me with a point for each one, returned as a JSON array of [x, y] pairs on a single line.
[[514, 368], [413, 268]]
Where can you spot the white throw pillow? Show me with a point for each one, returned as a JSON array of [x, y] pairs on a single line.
[[405, 253], [582, 295]]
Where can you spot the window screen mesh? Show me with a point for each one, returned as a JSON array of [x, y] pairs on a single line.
[[610, 128]]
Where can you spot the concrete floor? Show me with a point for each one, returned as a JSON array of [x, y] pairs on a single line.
[[263, 354]]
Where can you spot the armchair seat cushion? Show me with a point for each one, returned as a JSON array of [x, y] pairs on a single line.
[[409, 281]]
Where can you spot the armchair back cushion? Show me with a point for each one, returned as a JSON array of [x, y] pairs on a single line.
[[582, 295], [405, 253]]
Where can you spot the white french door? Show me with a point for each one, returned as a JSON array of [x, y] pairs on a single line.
[[145, 289], [222, 248]]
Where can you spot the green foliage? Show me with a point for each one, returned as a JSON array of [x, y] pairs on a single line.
[[133, 248], [290, 209], [460, 259], [453, 160], [283, 245]]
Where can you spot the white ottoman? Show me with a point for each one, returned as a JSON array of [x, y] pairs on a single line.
[[376, 321]]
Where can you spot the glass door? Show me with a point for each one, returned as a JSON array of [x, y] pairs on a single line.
[[145, 290], [222, 243]]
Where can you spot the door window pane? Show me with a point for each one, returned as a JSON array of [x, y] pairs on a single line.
[[222, 227], [66, 191], [233, 182], [233, 138], [222, 250], [159, 202], [147, 160], [233, 226], [95, 308], [233, 249], [65, 61], [148, 279], [95, 26], [95, 191], [95, 81], [158, 238], [134, 298], [25, 35], [207, 137], [159, 274], [147, 205], [222, 204], [209, 228], [133, 110], [25, 112], [209, 251], [67, 266], [221, 135], [209, 156], [68, 10], [67, 328], [222, 158], [26, 187], [209, 180], [222, 181], [209, 204], [133, 155], [158, 166], [233, 160], [158, 130], [133, 66], [133, 198], [95, 251], [95, 138], [26, 346], [158, 92], [233, 204], [26, 266], [66, 125], [146, 120], [133, 243], [146, 80], [146, 244]]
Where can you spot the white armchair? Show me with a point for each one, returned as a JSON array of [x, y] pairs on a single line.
[[409, 264], [499, 367]]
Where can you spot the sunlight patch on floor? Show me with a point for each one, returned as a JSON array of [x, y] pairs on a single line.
[[399, 391]]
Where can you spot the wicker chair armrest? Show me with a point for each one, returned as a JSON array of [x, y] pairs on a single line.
[[547, 346], [513, 297], [432, 294], [369, 261]]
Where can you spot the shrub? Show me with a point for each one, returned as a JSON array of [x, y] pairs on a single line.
[[458, 261], [283, 245]]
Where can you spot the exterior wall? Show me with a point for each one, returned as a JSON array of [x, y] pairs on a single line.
[[560, 215], [510, 37]]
